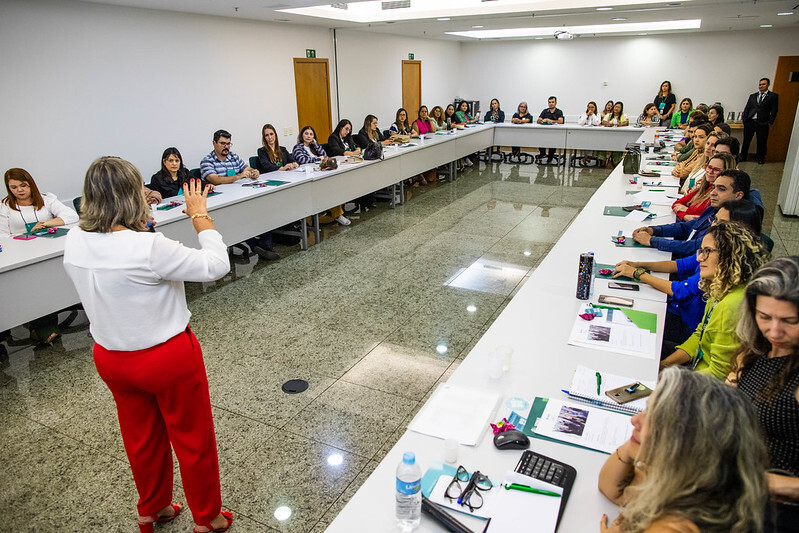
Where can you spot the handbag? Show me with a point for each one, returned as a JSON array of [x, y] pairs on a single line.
[[328, 163], [631, 163], [374, 150]]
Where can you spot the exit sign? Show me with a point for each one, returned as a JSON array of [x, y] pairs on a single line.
[[310, 52], [410, 56]]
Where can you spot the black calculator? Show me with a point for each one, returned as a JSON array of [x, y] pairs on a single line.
[[548, 470]]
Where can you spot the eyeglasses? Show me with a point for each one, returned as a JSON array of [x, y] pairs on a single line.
[[470, 494], [224, 145], [712, 170], [704, 253]]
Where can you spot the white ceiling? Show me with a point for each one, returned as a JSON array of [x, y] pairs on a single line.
[[716, 15]]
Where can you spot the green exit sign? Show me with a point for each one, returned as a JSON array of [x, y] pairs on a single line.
[[310, 52], [410, 56]]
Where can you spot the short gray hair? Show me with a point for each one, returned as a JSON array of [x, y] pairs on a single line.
[[113, 194]]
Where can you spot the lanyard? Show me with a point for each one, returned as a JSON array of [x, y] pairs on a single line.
[[700, 354], [28, 225]]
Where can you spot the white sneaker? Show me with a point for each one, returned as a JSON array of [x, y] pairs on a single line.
[[467, 162], [344, 221]]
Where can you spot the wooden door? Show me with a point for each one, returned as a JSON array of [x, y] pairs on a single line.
[[312, 83], [779, 134], [411, 87]]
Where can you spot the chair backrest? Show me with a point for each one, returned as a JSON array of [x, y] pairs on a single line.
[[195, 173], [386, 133], [76, 204], [326, 148], [255, 163]]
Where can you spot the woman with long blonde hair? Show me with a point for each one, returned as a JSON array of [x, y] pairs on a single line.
[[695, 462], [697, 200]]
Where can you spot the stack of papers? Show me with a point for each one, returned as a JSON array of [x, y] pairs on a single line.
[[624, 331], [456, 413]]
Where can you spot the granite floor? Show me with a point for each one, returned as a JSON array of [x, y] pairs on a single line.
[[373, 317]]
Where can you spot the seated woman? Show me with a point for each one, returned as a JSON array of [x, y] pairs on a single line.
[[695, 462], [681, 117], [665, 102], [401, 126], [173, 174], [697, 200], [421, 126], [695, 177], [685, 304], [589, 118], [26, 210], [272, 156], [607, 110], [649, 117], [715, 114], [495, 114], [728, 258], [684, 168], [616, 118], [370, 133], [307, 149], [463, 114], [437, 116], [767, 372], [341, 142], [521, 116]]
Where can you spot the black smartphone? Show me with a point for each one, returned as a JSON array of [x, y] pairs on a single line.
[[623, 286]]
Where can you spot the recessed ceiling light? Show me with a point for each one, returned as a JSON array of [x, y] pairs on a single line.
[[618, 19], [766, 25], [441, 348], [335, 459], [785, 13], [477, 27], [471, 308], [443, 18], [604, 9], [593, 29], [282, 513]]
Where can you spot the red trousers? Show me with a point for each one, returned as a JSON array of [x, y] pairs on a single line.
[[162, 397]]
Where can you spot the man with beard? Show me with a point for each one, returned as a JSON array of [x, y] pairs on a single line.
[[222, 165]]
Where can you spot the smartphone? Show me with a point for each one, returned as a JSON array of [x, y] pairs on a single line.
[[623, 286], [628, 393], [615, 300]]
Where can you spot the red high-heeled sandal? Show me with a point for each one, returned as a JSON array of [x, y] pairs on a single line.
[[227, 515], [147, 527]]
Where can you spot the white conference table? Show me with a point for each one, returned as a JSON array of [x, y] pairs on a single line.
[[244, 212], [535, 326], [565, 136]]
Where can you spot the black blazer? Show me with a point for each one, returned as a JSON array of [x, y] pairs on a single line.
[[766, 110], [363, 140], [337, 145], [164, 184], [266, 164]]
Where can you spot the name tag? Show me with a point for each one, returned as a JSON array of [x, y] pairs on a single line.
[[231, 172]]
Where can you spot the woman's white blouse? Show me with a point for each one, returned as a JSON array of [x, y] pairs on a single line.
[[12, 222], [131, 283], [586, 120]]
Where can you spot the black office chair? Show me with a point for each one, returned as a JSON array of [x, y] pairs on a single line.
[[76, 204], [256, 163], [195, 173], [516, 156], [557, 159], [576, 160]]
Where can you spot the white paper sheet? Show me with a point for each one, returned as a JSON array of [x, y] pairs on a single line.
[[579, 424], [456, 412], [637, 216], [613, 335]]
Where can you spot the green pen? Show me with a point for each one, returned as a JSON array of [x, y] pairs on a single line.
[[657, 190], [525, 488], [598, 382]]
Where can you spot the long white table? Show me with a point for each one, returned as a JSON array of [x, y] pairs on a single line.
[[536, 326], [243, 212]]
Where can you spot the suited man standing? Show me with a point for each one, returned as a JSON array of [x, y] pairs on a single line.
[[758, 115]]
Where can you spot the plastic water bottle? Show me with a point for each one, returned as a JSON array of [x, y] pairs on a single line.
[[409, 493]]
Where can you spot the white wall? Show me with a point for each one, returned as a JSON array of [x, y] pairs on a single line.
[[370, 74], [84, 80], [633, 68]]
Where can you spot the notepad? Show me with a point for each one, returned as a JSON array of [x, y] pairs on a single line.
[[583, 389], [456, 412]]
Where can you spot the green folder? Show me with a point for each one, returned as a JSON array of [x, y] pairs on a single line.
[[59, 232], [642, 319], [629, 242], [601, 266], [615, 211], [275, 183], [539, 404]]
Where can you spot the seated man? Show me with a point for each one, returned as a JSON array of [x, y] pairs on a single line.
[[730, 185], [223, 166], [728, 144], [550, 115]]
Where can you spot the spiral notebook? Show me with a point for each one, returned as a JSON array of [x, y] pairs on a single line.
[[583, 389]]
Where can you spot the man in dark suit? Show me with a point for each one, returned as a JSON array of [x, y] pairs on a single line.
[[758, 115]]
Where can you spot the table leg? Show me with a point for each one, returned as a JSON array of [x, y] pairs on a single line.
[[317, 231], [303, 234]]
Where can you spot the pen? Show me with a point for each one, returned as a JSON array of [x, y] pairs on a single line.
[[598, 382], [525, 488]]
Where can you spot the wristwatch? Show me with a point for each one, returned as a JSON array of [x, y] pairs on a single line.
[[638, 273]]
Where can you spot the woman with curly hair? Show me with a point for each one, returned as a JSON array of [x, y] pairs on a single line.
[[729, 256], [695, 462], [767, 371]]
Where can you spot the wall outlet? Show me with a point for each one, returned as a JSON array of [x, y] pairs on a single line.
[[604, 84]]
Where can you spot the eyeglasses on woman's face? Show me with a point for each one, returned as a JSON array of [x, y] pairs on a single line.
[[704, 253]]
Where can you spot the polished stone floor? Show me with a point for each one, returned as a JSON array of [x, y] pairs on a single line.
[[373, 318]]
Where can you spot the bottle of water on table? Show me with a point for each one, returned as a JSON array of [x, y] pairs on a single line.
[[409, 493]]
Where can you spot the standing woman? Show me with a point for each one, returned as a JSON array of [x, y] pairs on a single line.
[[173, 174], [307, 149], [767, 372], [694, 462], [665, 101], [401, 126], [272, 156], [728, 258], [25, 210], [131, 281], [341, 142], [681, 118]]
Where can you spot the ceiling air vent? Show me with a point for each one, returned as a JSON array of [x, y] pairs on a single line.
[[396, 4], [340, 5]]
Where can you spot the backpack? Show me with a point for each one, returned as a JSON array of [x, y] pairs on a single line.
[[631, 163]]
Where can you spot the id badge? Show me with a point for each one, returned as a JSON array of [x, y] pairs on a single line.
[[29, 226], [231, 172], [699, 356]]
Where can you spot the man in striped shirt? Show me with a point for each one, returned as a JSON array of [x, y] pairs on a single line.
[[222, 165]]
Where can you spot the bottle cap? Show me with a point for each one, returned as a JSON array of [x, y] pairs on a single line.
[[408, 458]]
